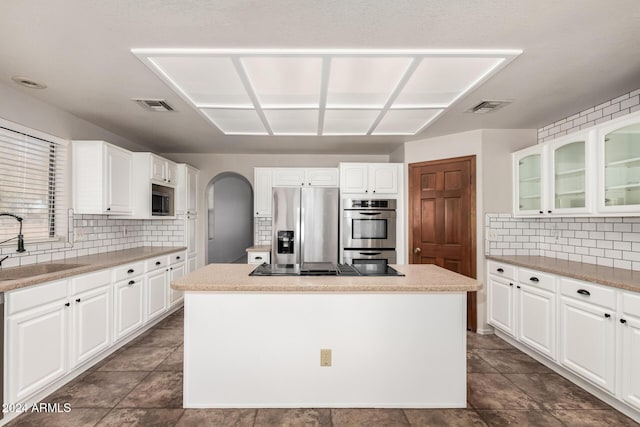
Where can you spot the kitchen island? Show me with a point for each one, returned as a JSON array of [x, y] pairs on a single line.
[[257, 341]]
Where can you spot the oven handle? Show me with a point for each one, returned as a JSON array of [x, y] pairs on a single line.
[[369, 213], [370, 253]]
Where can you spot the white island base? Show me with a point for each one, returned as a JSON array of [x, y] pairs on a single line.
[[389, 350]]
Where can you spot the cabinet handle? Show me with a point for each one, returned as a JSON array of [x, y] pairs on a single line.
[[510, 284], [623, 321], [67, 304], [77, 299], [548, 211], [366, 191], [108, 209], [309, 183], [131, 282], [131, 270], [541, 212], [534, 279], [518, 286], [171, 268], [158, 263], [500, 270], [584, 292], [607, 315], [168, 180], [258, 257], [177, 257]]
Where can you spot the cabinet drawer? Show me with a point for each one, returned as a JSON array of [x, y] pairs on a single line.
[[258, 257], [157, 263], [177, 257], [631, 303], [34, 296], [128, 270], [590, 292], [90, 281], [500, 269], [537, 279]]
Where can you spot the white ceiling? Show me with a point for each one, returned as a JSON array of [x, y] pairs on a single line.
[[576, 54]]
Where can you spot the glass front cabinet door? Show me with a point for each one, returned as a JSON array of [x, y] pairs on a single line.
[[571, 185], [529, 167], [619, 167]]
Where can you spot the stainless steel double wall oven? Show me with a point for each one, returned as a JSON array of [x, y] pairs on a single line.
[[369, 231]]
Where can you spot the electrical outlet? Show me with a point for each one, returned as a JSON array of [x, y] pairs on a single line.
[[493, 235], [325, 357], [125, 231], [79, 235]]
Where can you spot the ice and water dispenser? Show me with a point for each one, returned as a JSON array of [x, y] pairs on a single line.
[[286, 242]]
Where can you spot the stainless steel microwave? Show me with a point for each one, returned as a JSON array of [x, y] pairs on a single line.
[[161, 200]]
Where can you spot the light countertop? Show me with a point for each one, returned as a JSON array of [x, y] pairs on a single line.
[[89, 263], [608, 276], [235, 278], [259, 248]]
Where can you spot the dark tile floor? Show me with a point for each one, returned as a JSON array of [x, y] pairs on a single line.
[[141, 384]]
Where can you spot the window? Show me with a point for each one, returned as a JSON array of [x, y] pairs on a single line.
[[32, 184]]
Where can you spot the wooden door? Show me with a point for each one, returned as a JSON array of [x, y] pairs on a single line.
[[443, 218]]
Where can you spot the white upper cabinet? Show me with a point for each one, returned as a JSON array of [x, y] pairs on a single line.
[[530, 181], [163, 171], [572, 167], [187, 191], [593, 172], [369, 178], [102, 178], [262, 186], [619, 166], [305, 177]]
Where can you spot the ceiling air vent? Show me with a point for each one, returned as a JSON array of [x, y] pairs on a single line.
[[154, 104], [487, 106]]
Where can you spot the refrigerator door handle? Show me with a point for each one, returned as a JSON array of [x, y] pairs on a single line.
[[299, 216]]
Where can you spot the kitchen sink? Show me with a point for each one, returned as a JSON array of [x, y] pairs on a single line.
[[34, 270]]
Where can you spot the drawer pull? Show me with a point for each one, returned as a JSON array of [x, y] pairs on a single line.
[[67, 304], [623, 321], [607, 315], [510, 284], [534, 279], [131, 282], [77, 299], [258, 257], [518, 286], [584, 292], [158, 263], [500, 270], [131, 270], [177, 257]]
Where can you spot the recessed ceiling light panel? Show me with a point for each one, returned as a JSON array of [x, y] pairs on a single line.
[[236, 122], [323, 91], [210, 81], [285, 81]]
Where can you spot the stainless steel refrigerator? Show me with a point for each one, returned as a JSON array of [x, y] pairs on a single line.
[[305, 225]]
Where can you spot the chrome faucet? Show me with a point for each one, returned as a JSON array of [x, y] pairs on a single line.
[[20, 237]]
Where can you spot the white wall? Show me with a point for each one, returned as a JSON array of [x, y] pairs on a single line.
[[211, 165], [492, 148]]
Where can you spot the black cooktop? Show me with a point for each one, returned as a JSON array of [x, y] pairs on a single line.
[[325, 269]]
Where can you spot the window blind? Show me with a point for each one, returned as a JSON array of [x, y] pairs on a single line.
[[32, 187]]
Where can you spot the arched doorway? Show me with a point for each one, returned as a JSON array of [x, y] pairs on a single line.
[[229, 218]]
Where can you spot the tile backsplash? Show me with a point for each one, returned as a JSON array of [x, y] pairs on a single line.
[[616, 107], [262, 230], [97, 234], [610, 241]]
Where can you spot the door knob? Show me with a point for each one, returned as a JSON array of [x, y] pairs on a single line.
[[417, 251]]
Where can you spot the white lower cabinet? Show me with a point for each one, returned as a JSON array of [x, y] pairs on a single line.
[[157, 285], [53, 328], [587, 341], [37, 348], [630, 346], [536, 311], [176, 271], [192, 263], [91, 323], [129, 306], [500, 304]]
